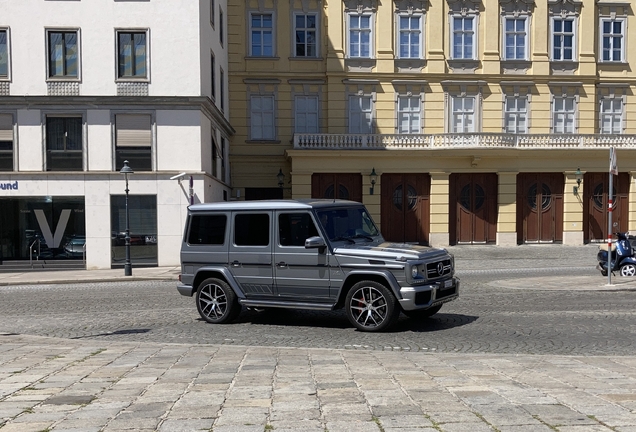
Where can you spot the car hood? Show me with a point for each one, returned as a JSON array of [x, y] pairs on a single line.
[[390, 251]]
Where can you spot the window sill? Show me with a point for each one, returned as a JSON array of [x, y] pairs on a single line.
[[563, 67], [132, 80], [63, 79], [262, 58], [463, 65], [264, 141], [306, 58]]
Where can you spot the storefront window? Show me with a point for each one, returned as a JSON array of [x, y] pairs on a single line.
[[142, 213], [41, 228]]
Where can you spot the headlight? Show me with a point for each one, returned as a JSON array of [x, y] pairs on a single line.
[[415, 272]]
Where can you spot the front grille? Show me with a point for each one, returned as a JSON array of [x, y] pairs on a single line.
[[438, 269]]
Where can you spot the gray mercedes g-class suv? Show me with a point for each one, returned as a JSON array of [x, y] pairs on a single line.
[[308, 254]]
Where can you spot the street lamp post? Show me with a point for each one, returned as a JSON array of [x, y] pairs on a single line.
[[127, 266]]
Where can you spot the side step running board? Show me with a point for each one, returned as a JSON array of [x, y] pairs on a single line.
[[287, 305]]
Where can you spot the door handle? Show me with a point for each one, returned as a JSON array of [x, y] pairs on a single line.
[[282, 264], [236, 264]]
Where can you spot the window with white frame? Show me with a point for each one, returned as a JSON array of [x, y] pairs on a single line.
[[133, 141], [410, 36], [463, 37], [612, 40], [516, 115], [360, 35], [4, 54], [463, 114], [305, 35], [564, 114], [611, 115], [361, 114], [262, 117], [306, 114], [132, 54], [262, 35], [563, 39], [516, 38], [409, 110], [63, 53], [6, 142]]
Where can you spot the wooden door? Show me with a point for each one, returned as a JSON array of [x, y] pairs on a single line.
[[540, 207], [405, 207], [595, 199], [343, 186], [473, 208]]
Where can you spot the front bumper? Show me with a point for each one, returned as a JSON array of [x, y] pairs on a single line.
[[426, 296], [185, 290]]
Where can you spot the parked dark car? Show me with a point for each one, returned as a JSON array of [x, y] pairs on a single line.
[[75, 247]]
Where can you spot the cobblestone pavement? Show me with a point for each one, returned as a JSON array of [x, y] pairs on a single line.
[[92, 385], [536, 342]]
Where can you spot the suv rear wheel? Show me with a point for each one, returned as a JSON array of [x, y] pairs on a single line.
[[216, 301], [371, 306]]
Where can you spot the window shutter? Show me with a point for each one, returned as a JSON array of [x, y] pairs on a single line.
[[6, 127], [133, 130]]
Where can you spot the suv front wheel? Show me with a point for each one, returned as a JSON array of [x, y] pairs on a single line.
[[216, 301], [371, 306]]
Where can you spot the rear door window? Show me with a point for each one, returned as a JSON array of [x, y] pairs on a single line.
[[207, 229], [251, 229]]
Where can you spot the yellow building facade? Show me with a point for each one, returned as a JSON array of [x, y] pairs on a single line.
[[454, 121]]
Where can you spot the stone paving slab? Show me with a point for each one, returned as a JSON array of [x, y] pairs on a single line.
[[107, 386]]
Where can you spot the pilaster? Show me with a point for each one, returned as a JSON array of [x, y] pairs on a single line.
[[507, 213], [440, 188], [572, 210]]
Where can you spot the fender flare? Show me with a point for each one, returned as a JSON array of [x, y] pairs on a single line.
[[385, 274], [226, 274]]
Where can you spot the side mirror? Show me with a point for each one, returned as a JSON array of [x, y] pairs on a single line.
[[315, 243]]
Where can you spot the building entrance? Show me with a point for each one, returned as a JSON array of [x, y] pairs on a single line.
[[406, 207], [540, 208], [595, 199], [473, 208]]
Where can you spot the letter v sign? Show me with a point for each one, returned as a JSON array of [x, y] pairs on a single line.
[[51, 241]]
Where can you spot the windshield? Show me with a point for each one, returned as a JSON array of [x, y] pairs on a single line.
[[347, 223]]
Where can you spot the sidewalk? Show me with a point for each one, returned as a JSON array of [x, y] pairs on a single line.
[[58, 385]]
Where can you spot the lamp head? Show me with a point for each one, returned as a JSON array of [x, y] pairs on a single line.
[[126, 169]]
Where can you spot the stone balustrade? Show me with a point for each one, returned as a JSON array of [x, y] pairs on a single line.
[[469, 140]]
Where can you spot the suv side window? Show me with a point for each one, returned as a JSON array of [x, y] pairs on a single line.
[[295, 228], [251, 229], [207, 229]]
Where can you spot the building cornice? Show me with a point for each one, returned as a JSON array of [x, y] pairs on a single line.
[[202, 103]]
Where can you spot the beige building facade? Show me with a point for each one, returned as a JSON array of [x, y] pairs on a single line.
[[454, 121]]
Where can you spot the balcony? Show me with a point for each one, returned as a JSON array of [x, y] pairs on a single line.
[[460, 141]]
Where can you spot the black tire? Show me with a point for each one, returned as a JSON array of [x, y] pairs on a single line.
[[422, 313], [371, 307], [216, 301]]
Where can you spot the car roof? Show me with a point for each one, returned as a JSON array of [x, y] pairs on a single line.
[[298, 204]]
